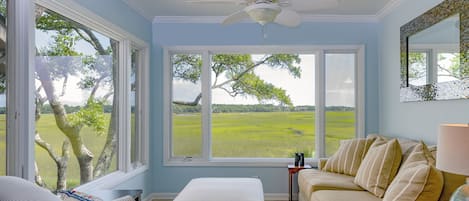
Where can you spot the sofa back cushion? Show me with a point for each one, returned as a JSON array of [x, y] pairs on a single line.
[[417, 179], [349, 156], [379, 166]]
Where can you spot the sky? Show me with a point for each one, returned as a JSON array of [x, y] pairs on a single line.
[[339, 83]]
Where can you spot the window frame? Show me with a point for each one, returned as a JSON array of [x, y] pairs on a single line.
[[431, 51], [207, 160], [20, 119]]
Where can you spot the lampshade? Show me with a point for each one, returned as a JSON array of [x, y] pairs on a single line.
[[453, 149]]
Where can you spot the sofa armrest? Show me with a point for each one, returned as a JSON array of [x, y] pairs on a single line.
[[322, 163]]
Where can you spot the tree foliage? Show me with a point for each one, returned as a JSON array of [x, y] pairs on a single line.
[[236, 75]]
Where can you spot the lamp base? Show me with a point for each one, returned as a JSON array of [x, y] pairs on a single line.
[[461, 194]]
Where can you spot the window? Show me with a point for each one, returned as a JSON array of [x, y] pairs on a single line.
[[264, 111], [340, 99], [3, 75], [187, 118], [434, 64], [230, 105], [91, 99]]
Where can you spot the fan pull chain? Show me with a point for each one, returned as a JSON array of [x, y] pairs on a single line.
[[264, 35]]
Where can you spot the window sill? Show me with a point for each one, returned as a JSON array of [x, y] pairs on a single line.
[[238, 162], [111, 180]]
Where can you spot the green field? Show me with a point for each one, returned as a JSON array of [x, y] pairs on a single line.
[[50, 133], [257, 134], [260, 134]]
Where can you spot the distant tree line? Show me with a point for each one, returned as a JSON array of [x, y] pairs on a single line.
[[46, 109], [222, 108], [216, 108]]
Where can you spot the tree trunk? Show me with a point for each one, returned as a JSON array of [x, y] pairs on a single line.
[[62, 165], [109, 150], [81, 152], [38, 178]]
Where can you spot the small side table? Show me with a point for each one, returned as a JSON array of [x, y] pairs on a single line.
[[292, 170]]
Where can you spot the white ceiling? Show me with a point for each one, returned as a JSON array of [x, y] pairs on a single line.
[[152, 8]]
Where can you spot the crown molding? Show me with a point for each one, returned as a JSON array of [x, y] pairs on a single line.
[[138, 9], [339, 18], [189, 19], [305, 18], [388, 8]]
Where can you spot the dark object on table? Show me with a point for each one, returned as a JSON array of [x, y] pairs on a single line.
[[297, 159], [302, 159]]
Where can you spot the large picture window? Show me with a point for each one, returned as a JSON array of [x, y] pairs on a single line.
[[91, 111], [230, 105]]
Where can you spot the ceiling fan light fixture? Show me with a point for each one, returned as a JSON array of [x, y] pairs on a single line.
[[263, 13]]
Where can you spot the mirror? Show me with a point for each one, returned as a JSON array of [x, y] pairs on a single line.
[[434, 54]]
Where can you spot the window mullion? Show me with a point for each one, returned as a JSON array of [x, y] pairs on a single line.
[[360, 92], [143, 110], [206, 106], [320, 104], [20, 113], [123, 92]]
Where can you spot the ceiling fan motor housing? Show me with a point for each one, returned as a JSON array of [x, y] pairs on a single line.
[[263, 13]]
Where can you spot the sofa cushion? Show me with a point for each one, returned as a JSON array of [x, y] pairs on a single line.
[[417, 179], [349, 156], [310, 180], [343, 195], [379, 166]]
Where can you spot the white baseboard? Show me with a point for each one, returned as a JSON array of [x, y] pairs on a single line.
[[171, 196]]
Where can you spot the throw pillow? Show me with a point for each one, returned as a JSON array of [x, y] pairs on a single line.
[[72, 195], [379, 166], [349, 156], [418, 179]]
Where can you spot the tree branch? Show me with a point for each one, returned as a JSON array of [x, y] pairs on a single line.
[[242, 73], [193, 103]]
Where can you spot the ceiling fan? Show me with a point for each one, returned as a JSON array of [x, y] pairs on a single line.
[[266, 11]]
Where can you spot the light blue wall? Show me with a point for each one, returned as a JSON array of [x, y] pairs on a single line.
[[275, 180], [120, 14], [126, 18], [416, 120]]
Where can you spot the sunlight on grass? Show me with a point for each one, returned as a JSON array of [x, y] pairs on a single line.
[[49, 131], [263, 134]]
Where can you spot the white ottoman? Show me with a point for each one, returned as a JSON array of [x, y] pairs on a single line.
[[222, 189]]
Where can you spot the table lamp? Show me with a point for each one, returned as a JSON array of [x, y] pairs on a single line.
[[453, 155]]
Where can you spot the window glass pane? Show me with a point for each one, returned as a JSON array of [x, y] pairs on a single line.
[[134, 138], [262, 105], [340, 99], [418, 62], [76, 112], [3, 75], [186, 105], [449, 67]]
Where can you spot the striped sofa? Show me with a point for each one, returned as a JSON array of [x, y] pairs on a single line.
[[321, 185]]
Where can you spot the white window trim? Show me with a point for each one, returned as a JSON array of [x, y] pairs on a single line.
[[20, 84], [205, 51], [20, 128]]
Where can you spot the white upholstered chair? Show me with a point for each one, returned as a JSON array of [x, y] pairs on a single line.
[[18, 189]]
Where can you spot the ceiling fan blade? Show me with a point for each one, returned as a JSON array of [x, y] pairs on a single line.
[[288, 18], [235, 17]]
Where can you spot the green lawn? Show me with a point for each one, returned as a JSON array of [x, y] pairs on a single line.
[[260, 134], [257, 134], [50, 133]]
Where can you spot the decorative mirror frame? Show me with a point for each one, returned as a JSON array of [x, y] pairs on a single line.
[[436, 91]]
